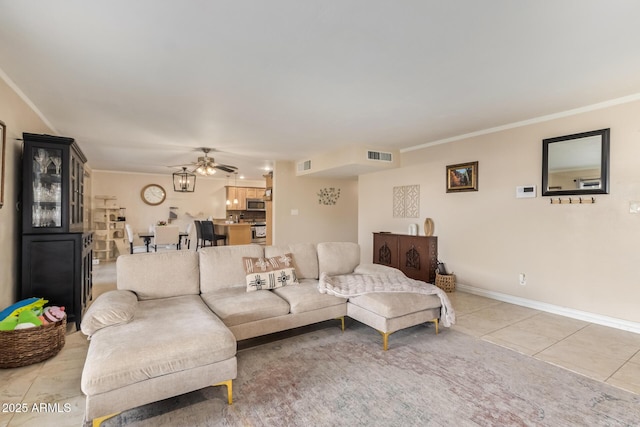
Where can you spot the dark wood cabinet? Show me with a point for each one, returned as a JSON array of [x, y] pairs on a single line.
[[415, 256], [53, 185], [57, 267], [56, 249]]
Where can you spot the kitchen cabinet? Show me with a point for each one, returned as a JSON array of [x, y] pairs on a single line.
[[242, 194], [239, 194], [252, 193]]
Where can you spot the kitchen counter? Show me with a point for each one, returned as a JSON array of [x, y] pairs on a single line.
[[238, 233]]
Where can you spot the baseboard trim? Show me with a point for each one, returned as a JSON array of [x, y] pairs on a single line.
[[555, 309]]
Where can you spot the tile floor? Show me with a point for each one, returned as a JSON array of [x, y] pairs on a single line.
[[599, 352]]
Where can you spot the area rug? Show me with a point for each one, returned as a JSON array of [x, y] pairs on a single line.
[[331, 378]]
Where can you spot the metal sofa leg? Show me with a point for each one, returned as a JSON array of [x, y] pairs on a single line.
[[97, 421], [229, 384], [385, 340], [435, 321]]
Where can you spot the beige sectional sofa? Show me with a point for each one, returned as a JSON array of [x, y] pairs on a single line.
[[172, 324]]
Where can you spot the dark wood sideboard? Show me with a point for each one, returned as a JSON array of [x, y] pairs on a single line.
[[415, 256]]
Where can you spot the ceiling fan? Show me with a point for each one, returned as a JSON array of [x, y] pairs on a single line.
[[207, 166]]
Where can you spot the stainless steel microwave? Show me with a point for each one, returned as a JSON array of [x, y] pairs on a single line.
[[255, 205]]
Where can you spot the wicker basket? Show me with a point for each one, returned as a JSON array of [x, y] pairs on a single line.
[[26, 346], [446, 282]]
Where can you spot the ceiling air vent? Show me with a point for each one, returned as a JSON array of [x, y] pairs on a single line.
[[380, 156], [304, 166]]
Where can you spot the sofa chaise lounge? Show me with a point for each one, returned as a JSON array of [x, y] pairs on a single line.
[[173, 323]]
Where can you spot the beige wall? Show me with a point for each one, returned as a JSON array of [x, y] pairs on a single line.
[[314, 222], [18, 117], [208, 199], [583, 257]]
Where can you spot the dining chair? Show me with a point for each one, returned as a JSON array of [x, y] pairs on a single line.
[[187, 238], [130, 235], [198, 225], [219, 235], [207, 233], [166, 236]]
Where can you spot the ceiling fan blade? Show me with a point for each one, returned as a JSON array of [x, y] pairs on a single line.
[[207, 162], [226, 168], [186, 165]]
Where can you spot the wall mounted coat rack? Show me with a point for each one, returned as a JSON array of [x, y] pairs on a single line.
[[572, 201]]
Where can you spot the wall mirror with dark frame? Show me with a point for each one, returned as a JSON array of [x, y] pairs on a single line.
[[576, 164]]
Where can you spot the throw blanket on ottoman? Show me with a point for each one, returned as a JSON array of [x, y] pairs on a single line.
[[351, 285]]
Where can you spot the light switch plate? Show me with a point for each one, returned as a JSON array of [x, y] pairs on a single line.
[[634, 207]]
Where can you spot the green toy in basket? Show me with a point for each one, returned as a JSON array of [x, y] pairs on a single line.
[[28, 319], [9, 324], [25, 304], [22, 315]]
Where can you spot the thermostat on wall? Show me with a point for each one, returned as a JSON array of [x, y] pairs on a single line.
[[525, 191]]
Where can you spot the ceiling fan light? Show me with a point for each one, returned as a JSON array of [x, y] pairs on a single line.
[[210, 170]]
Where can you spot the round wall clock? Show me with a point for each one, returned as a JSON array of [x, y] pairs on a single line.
[[153, 194]]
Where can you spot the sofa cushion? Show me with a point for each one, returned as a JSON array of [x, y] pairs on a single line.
[[395, 304], [269, 273], [221, 266], [236, 306], [305, 257], [148, 276], [153, 345], [336, 258], [109, 309], [305, 297]]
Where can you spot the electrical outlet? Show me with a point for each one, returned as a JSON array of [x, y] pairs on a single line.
[[523, 279]]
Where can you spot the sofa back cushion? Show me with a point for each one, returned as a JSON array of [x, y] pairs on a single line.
[[338, 257], [159, 275], [305, 257], [222, 266]]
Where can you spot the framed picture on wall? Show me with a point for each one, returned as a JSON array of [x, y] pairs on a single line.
[[462, 177], [3, 139]]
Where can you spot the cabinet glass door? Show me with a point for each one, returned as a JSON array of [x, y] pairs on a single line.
[[47, 188]]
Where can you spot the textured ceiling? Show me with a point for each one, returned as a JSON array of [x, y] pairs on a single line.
[[142, 84]]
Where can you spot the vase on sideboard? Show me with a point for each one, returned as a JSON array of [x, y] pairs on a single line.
[[428, 227]]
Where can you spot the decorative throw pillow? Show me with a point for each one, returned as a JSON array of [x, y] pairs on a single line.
[[270, 273]]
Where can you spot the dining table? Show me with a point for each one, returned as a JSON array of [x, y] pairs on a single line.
[[147, 235]]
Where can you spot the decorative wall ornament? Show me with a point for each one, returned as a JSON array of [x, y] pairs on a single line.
[[406, 201], [328, 196]]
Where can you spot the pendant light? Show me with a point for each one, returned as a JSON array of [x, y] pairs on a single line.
[[184, 182], [235, 184]]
